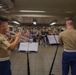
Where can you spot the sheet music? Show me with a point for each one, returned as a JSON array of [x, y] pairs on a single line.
[[56, 36], [28, 46], [33, 46], [23, 46], [53, 39]]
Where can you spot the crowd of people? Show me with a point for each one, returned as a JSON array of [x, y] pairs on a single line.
[[37, 35]]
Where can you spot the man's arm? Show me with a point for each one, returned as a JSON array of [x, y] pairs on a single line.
[[60, 38], [14, 43], [11, 40]]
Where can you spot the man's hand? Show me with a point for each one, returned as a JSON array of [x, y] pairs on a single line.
[[18, 35]]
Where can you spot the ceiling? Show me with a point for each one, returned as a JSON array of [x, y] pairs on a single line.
[[54, 10]]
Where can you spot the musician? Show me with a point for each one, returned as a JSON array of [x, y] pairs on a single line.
[[68, 38], [6, 47]]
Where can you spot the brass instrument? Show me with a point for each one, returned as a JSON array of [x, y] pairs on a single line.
[[22, 38]]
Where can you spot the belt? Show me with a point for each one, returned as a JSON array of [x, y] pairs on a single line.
[[69, 50], [4, 59]]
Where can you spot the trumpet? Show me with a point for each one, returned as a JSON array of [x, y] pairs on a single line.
[[22, 38]]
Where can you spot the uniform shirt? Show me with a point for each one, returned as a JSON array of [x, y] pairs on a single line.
[[68, 38], [7, 36], [4, 44]]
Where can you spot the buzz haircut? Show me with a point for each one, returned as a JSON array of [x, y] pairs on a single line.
[[71, 21], [3, 19]]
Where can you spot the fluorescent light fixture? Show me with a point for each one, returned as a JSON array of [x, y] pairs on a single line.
[[69, 11], [34, 15], [34, 23], [0, 7], [53, 23], [31, 11], [16, 22]]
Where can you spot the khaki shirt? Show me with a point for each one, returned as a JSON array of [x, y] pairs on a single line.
[[4, 44], [68, 38]]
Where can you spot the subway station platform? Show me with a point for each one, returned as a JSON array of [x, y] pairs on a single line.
[[40, 62]]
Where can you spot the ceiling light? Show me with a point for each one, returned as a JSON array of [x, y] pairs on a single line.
[[53, 23], [34, 23], [31, 11], [0, 7], [69, 11], [16, 22]]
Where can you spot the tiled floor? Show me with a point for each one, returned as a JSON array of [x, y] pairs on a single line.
[[40, 62]]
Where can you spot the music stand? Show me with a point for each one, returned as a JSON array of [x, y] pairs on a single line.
[[30, 47], [53, 40]]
